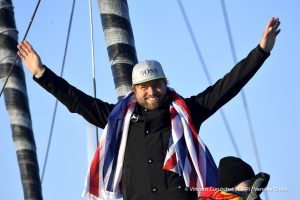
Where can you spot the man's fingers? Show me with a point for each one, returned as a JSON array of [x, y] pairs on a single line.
[[25, 47], [21, 55], [28, 45], [273, 24], [23, 50], [276, 25], [277, 32], [270, 23], [273, 29]]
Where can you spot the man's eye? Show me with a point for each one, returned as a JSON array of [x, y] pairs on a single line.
[[157, 85]]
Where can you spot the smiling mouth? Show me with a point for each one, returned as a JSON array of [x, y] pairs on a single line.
[[152, 99]]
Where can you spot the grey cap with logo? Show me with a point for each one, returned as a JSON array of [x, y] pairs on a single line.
[[147, 70]]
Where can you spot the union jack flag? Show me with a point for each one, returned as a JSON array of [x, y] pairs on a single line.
[[187, 155]]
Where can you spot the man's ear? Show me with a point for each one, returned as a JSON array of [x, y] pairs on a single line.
[[133, 88], [166, 81]]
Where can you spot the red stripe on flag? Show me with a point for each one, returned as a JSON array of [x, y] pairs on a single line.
[[173, 113], [129, 107], [94, 174], [175, 97], [171, 163], [192, 181]]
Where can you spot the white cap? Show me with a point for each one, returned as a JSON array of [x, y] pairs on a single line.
[[147, 70]]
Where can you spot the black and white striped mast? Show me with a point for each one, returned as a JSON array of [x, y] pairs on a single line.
[[119, 42], [16, 101]]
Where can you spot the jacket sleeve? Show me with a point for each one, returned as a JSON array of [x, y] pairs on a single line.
[[206, 103], [93, 110]]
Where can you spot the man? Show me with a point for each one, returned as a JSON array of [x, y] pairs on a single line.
[[149, 148]]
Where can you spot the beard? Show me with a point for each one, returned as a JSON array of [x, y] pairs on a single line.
[[149, 106]]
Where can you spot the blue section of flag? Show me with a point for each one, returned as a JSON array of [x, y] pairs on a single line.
[[113, 138], [211, 170]]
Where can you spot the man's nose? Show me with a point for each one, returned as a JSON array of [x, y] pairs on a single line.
[[151, 90]]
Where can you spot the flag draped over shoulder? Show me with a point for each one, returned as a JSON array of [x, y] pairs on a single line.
[[187, 155]]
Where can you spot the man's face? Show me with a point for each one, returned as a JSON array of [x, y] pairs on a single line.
[[150, 94]]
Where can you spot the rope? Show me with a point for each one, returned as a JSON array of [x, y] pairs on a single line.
[[93, 60], [187, 23], [56, 101], [232, 46], [234, 58], [16, 57]]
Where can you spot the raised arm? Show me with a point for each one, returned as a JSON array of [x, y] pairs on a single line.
[[93, 110], [214, 97]]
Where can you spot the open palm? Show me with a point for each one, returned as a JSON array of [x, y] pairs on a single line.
[[269, 35], [29, 57]]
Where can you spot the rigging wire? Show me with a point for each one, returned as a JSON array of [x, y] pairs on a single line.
[[204, 66], [93, 60], [232, 46], [16, 57], [244, 100], [56, 101]]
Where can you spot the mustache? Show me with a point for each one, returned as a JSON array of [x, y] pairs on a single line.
[[152, 96]]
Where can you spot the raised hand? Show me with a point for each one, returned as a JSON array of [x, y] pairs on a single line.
[[269, 35], [30, 58]]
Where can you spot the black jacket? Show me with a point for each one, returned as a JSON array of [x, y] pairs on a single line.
[[143, 177]]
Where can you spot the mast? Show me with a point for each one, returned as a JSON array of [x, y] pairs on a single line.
[[119, 42], [17, 104]]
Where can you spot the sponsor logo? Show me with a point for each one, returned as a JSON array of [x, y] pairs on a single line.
[[149, 72]]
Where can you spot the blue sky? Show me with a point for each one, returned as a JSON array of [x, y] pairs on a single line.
[[160, 33]]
